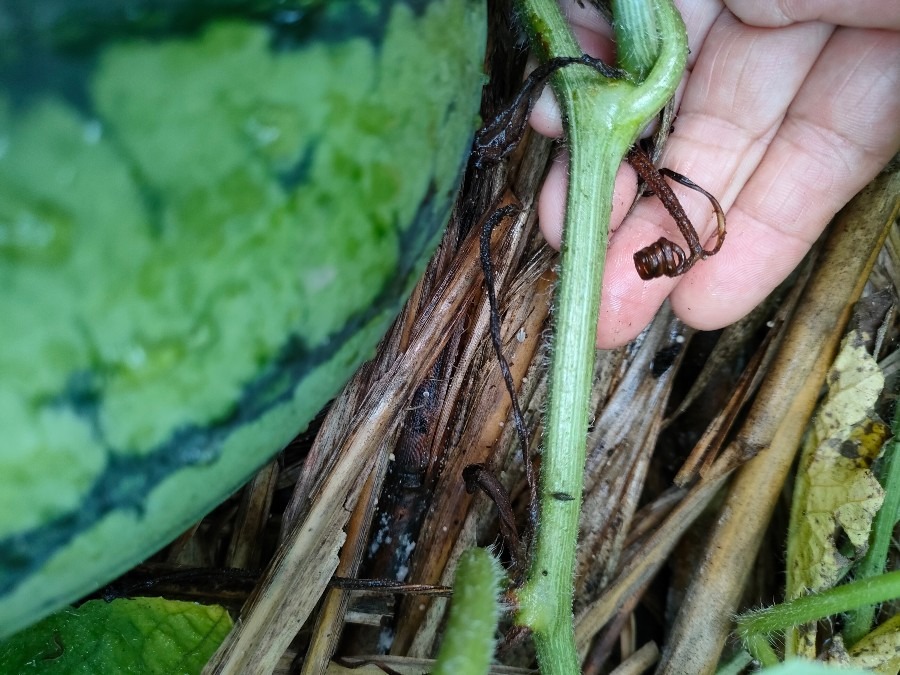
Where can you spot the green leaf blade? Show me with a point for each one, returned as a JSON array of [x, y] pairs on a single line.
[[141, 635]]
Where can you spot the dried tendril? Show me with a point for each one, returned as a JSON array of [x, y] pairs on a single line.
[[664, 257]]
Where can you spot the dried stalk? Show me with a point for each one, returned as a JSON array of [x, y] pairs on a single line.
[[778, 421], [645, 557], [300, 571], [243, 550]]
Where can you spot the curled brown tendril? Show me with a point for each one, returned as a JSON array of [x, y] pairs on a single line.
[[661, 258], [664, 257]]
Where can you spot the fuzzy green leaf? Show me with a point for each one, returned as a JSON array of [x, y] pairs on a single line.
[[801, 667]]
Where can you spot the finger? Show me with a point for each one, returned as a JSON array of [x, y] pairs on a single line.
[[839, 132], [584, 15], [546, 117], [552, 201], [861, 13], [737, 96]]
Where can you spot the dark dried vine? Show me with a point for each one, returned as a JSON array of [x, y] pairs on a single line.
[[518, 419], [479, 477], [499, 137]]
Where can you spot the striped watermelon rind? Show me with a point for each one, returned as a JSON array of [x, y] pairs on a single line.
[[202, 235]]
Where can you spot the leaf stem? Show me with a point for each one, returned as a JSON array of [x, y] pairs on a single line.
[[761, 650], [636, 50], [468, 643], [819, 606]]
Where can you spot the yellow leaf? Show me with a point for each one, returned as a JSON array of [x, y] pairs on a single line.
[[836, 496], [879, 651]]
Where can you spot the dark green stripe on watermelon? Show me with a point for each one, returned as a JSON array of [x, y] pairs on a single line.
[[126, 480], [52, 45], [82, 27], [181, 303]]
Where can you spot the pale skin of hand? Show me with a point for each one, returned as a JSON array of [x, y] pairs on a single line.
[[787, 110]]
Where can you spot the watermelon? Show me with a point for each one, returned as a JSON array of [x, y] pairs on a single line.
[[208, 218]]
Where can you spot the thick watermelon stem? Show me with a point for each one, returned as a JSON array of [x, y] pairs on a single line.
[[602, 118]]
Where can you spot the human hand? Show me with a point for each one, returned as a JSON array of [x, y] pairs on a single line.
[[785, 113]]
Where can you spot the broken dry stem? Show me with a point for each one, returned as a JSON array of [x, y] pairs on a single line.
[[304, 564]]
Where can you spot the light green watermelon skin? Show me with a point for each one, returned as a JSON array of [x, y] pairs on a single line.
[[197, 248]]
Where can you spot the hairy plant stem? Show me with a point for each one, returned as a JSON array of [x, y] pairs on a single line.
[[546, 599], [468, 643], [754, 625], [602, 119]]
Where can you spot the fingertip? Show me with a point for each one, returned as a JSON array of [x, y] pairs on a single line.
[[582, 16], [724, 288], [615, 336], [546, 117], [619, 325], [628, 303], [552, 201], [709, 313]]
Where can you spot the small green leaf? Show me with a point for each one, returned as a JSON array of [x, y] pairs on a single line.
[[143, 635]]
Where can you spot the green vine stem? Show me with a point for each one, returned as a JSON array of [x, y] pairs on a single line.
[[602, 119], [637, 49], [468, 643], [755, 627]]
